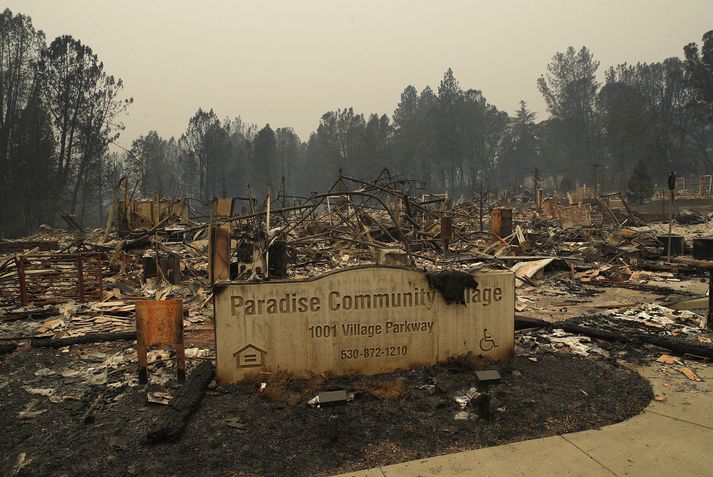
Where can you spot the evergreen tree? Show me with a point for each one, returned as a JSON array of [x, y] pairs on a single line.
[[640, 184], [265, 162]]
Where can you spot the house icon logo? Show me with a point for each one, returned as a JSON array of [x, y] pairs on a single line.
[[249, 356]]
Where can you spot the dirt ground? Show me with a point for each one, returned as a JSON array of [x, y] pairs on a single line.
[[239, 431]]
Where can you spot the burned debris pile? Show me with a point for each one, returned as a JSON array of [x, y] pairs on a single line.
[[63, 284], [597, 284]]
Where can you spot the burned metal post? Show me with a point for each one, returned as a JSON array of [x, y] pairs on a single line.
[[709, 320], [19, 263], [267, 236], [481, 206], [446, 232], [597, 189], [159, 323], [219, 240], [501, 221], [80, 277], [672, 188]]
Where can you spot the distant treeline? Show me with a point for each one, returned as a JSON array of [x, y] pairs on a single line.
[[59, 113]]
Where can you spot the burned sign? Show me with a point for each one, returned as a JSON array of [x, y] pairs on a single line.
[[363, 320]]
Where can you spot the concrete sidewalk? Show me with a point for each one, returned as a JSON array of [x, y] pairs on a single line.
[[671, 437]]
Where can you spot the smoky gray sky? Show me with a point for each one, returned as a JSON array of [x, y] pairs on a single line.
[[288, 62]]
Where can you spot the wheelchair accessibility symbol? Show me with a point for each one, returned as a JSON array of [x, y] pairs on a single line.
[[487, 342]]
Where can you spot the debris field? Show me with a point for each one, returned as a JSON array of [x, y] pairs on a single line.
[[601, 290]]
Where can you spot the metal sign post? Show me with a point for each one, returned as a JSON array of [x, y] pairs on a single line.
[[672, 188]]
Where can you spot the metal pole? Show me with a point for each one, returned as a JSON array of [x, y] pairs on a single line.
[[670, 226], [284, 189], [267, 235], [672, 188], [481, 205], [709, 321], [602, 190], [80, 277], [20, 265], [595, 181]]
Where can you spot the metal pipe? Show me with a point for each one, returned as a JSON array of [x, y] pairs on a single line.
[[709, 320], [267, 235]]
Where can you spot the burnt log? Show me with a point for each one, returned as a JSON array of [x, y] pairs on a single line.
[[29, 315], [88, 338], [172, 421], [523, 322], [676, 344]]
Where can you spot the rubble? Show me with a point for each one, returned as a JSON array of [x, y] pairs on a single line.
[[154, 249], [689, 217], [593, 280]]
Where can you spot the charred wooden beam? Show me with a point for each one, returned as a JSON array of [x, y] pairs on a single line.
[[523, 322], [170, 424], [88, 338], [676, 344], [29, 315]]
